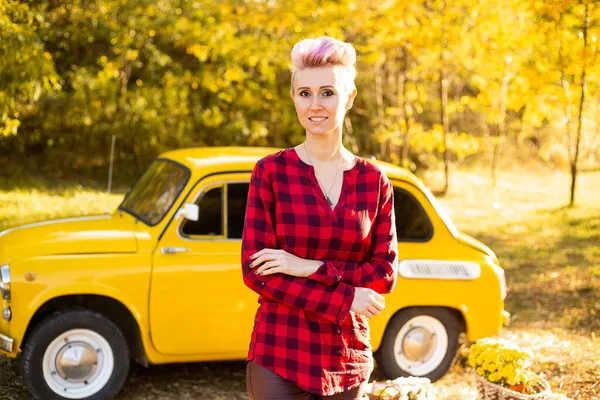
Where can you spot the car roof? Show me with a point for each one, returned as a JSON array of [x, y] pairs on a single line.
[[202, 160]]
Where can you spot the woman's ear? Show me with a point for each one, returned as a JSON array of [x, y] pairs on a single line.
[[351, 98]]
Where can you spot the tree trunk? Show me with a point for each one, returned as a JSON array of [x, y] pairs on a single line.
[[391, 71], [444, 102], [459, 84], [501, 126], [380, 111], [445, 124], [350, 134], [582, 84], [403, 105], [568, 116]]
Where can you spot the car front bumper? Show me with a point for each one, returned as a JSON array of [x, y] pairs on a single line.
[[505, 318], [6, 344]]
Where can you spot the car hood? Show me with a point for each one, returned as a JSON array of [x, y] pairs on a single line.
[[84, 235], [476, 244]]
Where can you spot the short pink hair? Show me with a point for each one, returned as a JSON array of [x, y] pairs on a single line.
[[325, 51]]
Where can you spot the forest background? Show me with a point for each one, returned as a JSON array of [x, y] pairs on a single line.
[[440, 82], [493, 102]]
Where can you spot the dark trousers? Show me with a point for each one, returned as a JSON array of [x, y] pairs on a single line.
[[264, 384]]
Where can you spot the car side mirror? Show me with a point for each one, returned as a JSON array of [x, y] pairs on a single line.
[[189, 211]]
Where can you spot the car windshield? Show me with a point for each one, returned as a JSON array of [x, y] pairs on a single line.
[[155, 192], [441, 212]]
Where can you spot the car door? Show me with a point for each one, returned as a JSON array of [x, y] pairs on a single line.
[[198, 301], [415, 228]]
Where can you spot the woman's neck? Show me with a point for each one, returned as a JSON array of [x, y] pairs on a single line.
[[323, 149]]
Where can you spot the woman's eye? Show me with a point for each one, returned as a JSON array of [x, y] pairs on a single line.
[[304, 93], [328, 93]]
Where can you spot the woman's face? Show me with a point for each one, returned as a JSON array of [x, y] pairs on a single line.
[[321, 99]]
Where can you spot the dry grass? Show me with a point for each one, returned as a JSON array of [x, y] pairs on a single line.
[[25, 205], [551, 255]]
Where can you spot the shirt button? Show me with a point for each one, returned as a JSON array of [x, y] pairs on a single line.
[[262, 283], [337, 329]]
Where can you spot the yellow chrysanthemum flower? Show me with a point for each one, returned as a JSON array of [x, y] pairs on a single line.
[[500, 361]]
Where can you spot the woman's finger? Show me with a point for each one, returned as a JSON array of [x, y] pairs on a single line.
[[266, 266], [273, 270], [261, 252], [380, 301], [373, 310], [380, 297], [377, 306], [262, 259], [257, 254]]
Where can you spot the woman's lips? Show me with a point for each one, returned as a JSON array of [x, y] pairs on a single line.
[[317, 120]]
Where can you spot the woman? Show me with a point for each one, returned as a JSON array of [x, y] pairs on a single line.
[[319, 244]]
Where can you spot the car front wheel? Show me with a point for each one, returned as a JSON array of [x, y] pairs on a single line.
[[75, 354], [419, 341]]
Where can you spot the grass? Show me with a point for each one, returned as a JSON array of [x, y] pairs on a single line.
[[551, 255], [25, 205]]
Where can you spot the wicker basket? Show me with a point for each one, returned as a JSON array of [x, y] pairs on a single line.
[[491, 391], [406, 388]]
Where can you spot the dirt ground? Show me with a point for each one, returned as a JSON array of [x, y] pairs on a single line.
[[226, 380], [210, 381]]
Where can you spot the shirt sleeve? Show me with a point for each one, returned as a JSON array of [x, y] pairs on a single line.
[[332, 302], [380, 271]]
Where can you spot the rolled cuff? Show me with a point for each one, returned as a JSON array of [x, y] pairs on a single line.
[[327, 274]]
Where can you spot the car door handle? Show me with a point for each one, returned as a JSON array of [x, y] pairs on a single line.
[[173, 250]]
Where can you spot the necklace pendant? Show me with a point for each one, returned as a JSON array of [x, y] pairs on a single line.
[[329, 201]]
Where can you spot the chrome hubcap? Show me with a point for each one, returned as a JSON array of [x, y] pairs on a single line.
[[418, 343], [76, 362]]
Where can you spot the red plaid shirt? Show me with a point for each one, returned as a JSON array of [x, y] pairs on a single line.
[[304, 330]]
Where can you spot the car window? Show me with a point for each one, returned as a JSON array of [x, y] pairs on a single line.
[[237, 194], [210, 222], [412, 222]]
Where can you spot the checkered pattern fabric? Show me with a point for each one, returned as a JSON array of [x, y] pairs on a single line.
[[304, 330]]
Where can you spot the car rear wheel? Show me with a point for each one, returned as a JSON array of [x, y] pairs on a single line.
[[76, 354], [419, 341]]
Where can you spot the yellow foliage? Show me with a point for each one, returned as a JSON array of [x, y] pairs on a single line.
[[198, 50], [132, 55]]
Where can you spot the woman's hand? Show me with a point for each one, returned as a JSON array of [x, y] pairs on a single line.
[[367, 302], [274, 261]]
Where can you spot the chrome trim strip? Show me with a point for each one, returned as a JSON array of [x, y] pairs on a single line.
[[439, 269], [56, 221], [5, 281], [173, 250]]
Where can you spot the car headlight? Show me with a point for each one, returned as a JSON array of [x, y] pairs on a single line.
[[5, 281]]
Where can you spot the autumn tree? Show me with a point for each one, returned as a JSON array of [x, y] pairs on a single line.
[[571, 57]]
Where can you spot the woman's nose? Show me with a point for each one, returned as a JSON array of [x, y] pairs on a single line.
[[316, 104]]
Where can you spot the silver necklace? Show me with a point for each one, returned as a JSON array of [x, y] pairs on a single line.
[[319, 182]]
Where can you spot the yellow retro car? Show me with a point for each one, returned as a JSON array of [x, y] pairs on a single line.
[[159, 281]]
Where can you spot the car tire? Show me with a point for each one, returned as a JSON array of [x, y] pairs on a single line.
[[75, 354], [419, 341]]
